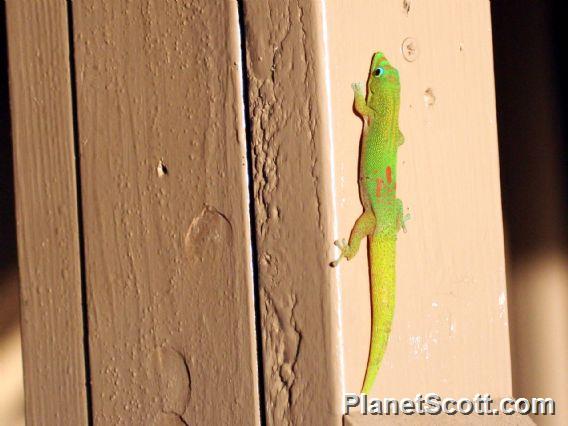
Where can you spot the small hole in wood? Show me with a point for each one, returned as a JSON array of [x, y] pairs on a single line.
[[162, 169], [429, 98]]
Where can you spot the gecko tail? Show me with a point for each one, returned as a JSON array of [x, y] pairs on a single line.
[[377, 351], [383, 293]]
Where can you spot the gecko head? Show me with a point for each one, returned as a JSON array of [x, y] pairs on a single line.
[[383, 77]]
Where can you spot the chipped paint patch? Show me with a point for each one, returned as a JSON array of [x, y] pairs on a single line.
[[420, 347]]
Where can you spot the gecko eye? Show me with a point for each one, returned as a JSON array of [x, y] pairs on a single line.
[[378, 72]]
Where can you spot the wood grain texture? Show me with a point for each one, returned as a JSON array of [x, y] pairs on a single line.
[[298, 303], [46, 209], [450, 333], [168, 258]]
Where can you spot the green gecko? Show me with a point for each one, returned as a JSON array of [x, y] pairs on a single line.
[[382, 215]]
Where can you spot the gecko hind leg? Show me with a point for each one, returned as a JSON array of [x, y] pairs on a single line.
[[363, 227], [402, 218]]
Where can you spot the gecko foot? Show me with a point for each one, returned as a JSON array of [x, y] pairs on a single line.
[[404, 220], [344, 247], [358, 87]]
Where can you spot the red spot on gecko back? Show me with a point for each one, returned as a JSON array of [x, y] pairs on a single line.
[[379, 186], [389, 175]]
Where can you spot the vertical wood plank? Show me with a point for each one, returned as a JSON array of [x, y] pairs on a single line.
[[46, 209], [450, 332], [168, 258], [298, 300]]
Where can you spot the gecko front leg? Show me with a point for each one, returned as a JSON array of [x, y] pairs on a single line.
[[364, 226], [360, 103]]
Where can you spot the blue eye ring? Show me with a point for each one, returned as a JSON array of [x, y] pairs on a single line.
[[378, 72]]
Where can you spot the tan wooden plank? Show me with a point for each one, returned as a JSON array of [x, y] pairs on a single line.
[[450, 333], [46, 205], [167, 240], [298, 299]]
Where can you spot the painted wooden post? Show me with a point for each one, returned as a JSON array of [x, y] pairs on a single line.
[[165, 213], [450, 334], [293, 217], [167, 240], [46, 204], [167, 245]]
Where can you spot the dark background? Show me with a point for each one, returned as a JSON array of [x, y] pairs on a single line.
[[8, 256], [531, 69], [530, 49]]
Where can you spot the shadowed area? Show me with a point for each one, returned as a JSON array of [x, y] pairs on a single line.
[[11, 382], [532, 112]]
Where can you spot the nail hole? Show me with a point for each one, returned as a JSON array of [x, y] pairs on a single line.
[[429, 98], [409, 49], [161, 169]]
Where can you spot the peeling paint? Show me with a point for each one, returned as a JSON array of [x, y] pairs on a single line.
[[282, 59], [282, 339], [175, 381], [209, 227]]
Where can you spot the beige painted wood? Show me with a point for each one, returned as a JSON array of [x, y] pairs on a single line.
[[298, 299], [163, 168], [46, 209], [450, 333]]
